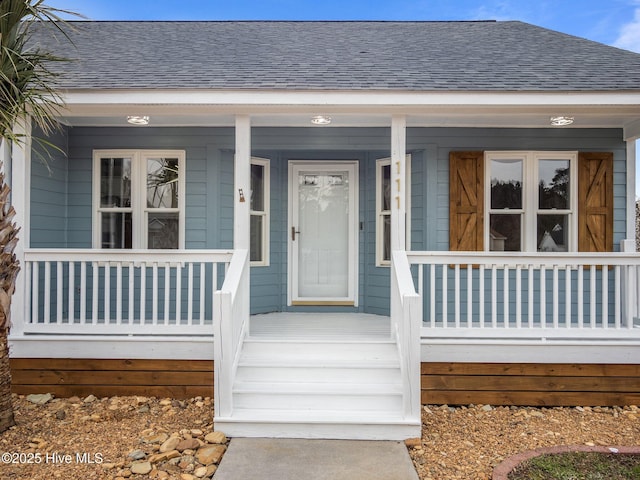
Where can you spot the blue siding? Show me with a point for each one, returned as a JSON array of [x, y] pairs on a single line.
[[209, 193], [49, 191]]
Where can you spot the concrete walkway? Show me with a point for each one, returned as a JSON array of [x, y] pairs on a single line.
[[295, 459]]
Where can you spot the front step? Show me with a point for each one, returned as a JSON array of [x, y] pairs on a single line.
[[305, 388]]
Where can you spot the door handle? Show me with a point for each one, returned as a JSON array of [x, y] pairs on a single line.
[[293, 233]]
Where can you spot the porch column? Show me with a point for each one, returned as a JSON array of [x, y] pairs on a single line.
[[631, 193], [398, 180], [20, 195], [242, 183]]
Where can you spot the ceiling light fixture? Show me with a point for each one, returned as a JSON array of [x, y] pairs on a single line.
[[138, 120], [561, 121], [321, 120]]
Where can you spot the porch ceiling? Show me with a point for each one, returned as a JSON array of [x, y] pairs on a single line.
[[294, 109]]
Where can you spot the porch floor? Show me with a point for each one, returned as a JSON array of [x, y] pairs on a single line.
[[320, 326]]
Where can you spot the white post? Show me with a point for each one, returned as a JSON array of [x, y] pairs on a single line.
[[631, 190], [242, 182], [398, 181], [21, 186], [630, 287]]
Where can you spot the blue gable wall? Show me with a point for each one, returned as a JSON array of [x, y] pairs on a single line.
[[209, 191]]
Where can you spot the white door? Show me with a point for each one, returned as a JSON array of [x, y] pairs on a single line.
[[323, 229]]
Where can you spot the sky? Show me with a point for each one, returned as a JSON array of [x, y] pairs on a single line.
[[612, 22]]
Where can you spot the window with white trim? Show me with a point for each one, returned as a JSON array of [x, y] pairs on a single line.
[[259, 228], [532, 201], [138, 199], [383, 209]]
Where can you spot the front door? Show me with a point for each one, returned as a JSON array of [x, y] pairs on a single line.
[[323, 229]]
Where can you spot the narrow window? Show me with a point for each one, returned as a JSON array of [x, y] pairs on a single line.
[[115, 206], [506, 205], [259, 228], [383, 208], [554, 206], [162, 210]]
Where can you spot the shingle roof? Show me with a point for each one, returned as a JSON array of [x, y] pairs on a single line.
[[406, 56]]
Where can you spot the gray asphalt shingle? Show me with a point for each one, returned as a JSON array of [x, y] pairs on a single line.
[[405, 56]]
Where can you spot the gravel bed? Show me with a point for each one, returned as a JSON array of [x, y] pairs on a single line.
[[112, 438], [465, 443], [108, 439]]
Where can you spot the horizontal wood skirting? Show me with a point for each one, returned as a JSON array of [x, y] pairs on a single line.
[[68, 377], [530, 384], [450, 383]]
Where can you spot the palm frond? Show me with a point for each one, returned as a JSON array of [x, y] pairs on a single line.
[[27, 81]]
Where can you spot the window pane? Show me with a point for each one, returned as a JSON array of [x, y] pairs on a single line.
[[257, 188], [116, 230], [256, 238], [505, 233], [162, 183], [385, 194], [386, 246], [553, 233], [506, 184], [553, 184], [115, 182], [162, 230]]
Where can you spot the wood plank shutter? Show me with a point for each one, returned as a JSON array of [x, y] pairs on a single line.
[[466, 201], [595, 202]]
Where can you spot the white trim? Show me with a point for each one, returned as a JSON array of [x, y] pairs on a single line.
[[432, 349], [21, 200], [266, 213], [398, 181], [138, 207], [354, 189], [632, 157], [371, 98], [242, 182], [529, 351], [381, 162], [112, 346], [529, 211]]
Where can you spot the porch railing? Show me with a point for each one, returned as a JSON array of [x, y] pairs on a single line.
[[147, 292], [521, 295], [231, 327], [405, 324]]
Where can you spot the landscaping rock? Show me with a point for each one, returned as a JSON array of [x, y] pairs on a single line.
[[210, 454], [215, 438], [40, 398], [141, 468], [170, 444]]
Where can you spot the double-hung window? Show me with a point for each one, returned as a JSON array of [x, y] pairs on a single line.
[[383, 208], [532, 201], [138, 199], [259, 236]]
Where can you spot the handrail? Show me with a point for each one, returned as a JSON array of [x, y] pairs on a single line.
[[406, 316], [524, 258], [230, 327]]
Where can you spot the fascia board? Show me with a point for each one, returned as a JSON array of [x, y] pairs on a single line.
[[343, 99]]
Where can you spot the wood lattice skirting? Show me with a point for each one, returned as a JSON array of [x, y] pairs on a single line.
[[451, 383]]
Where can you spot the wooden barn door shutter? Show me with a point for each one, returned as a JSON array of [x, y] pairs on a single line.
[[466, 201], [595, 202]]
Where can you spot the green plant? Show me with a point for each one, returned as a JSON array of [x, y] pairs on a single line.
[[579, 466]]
